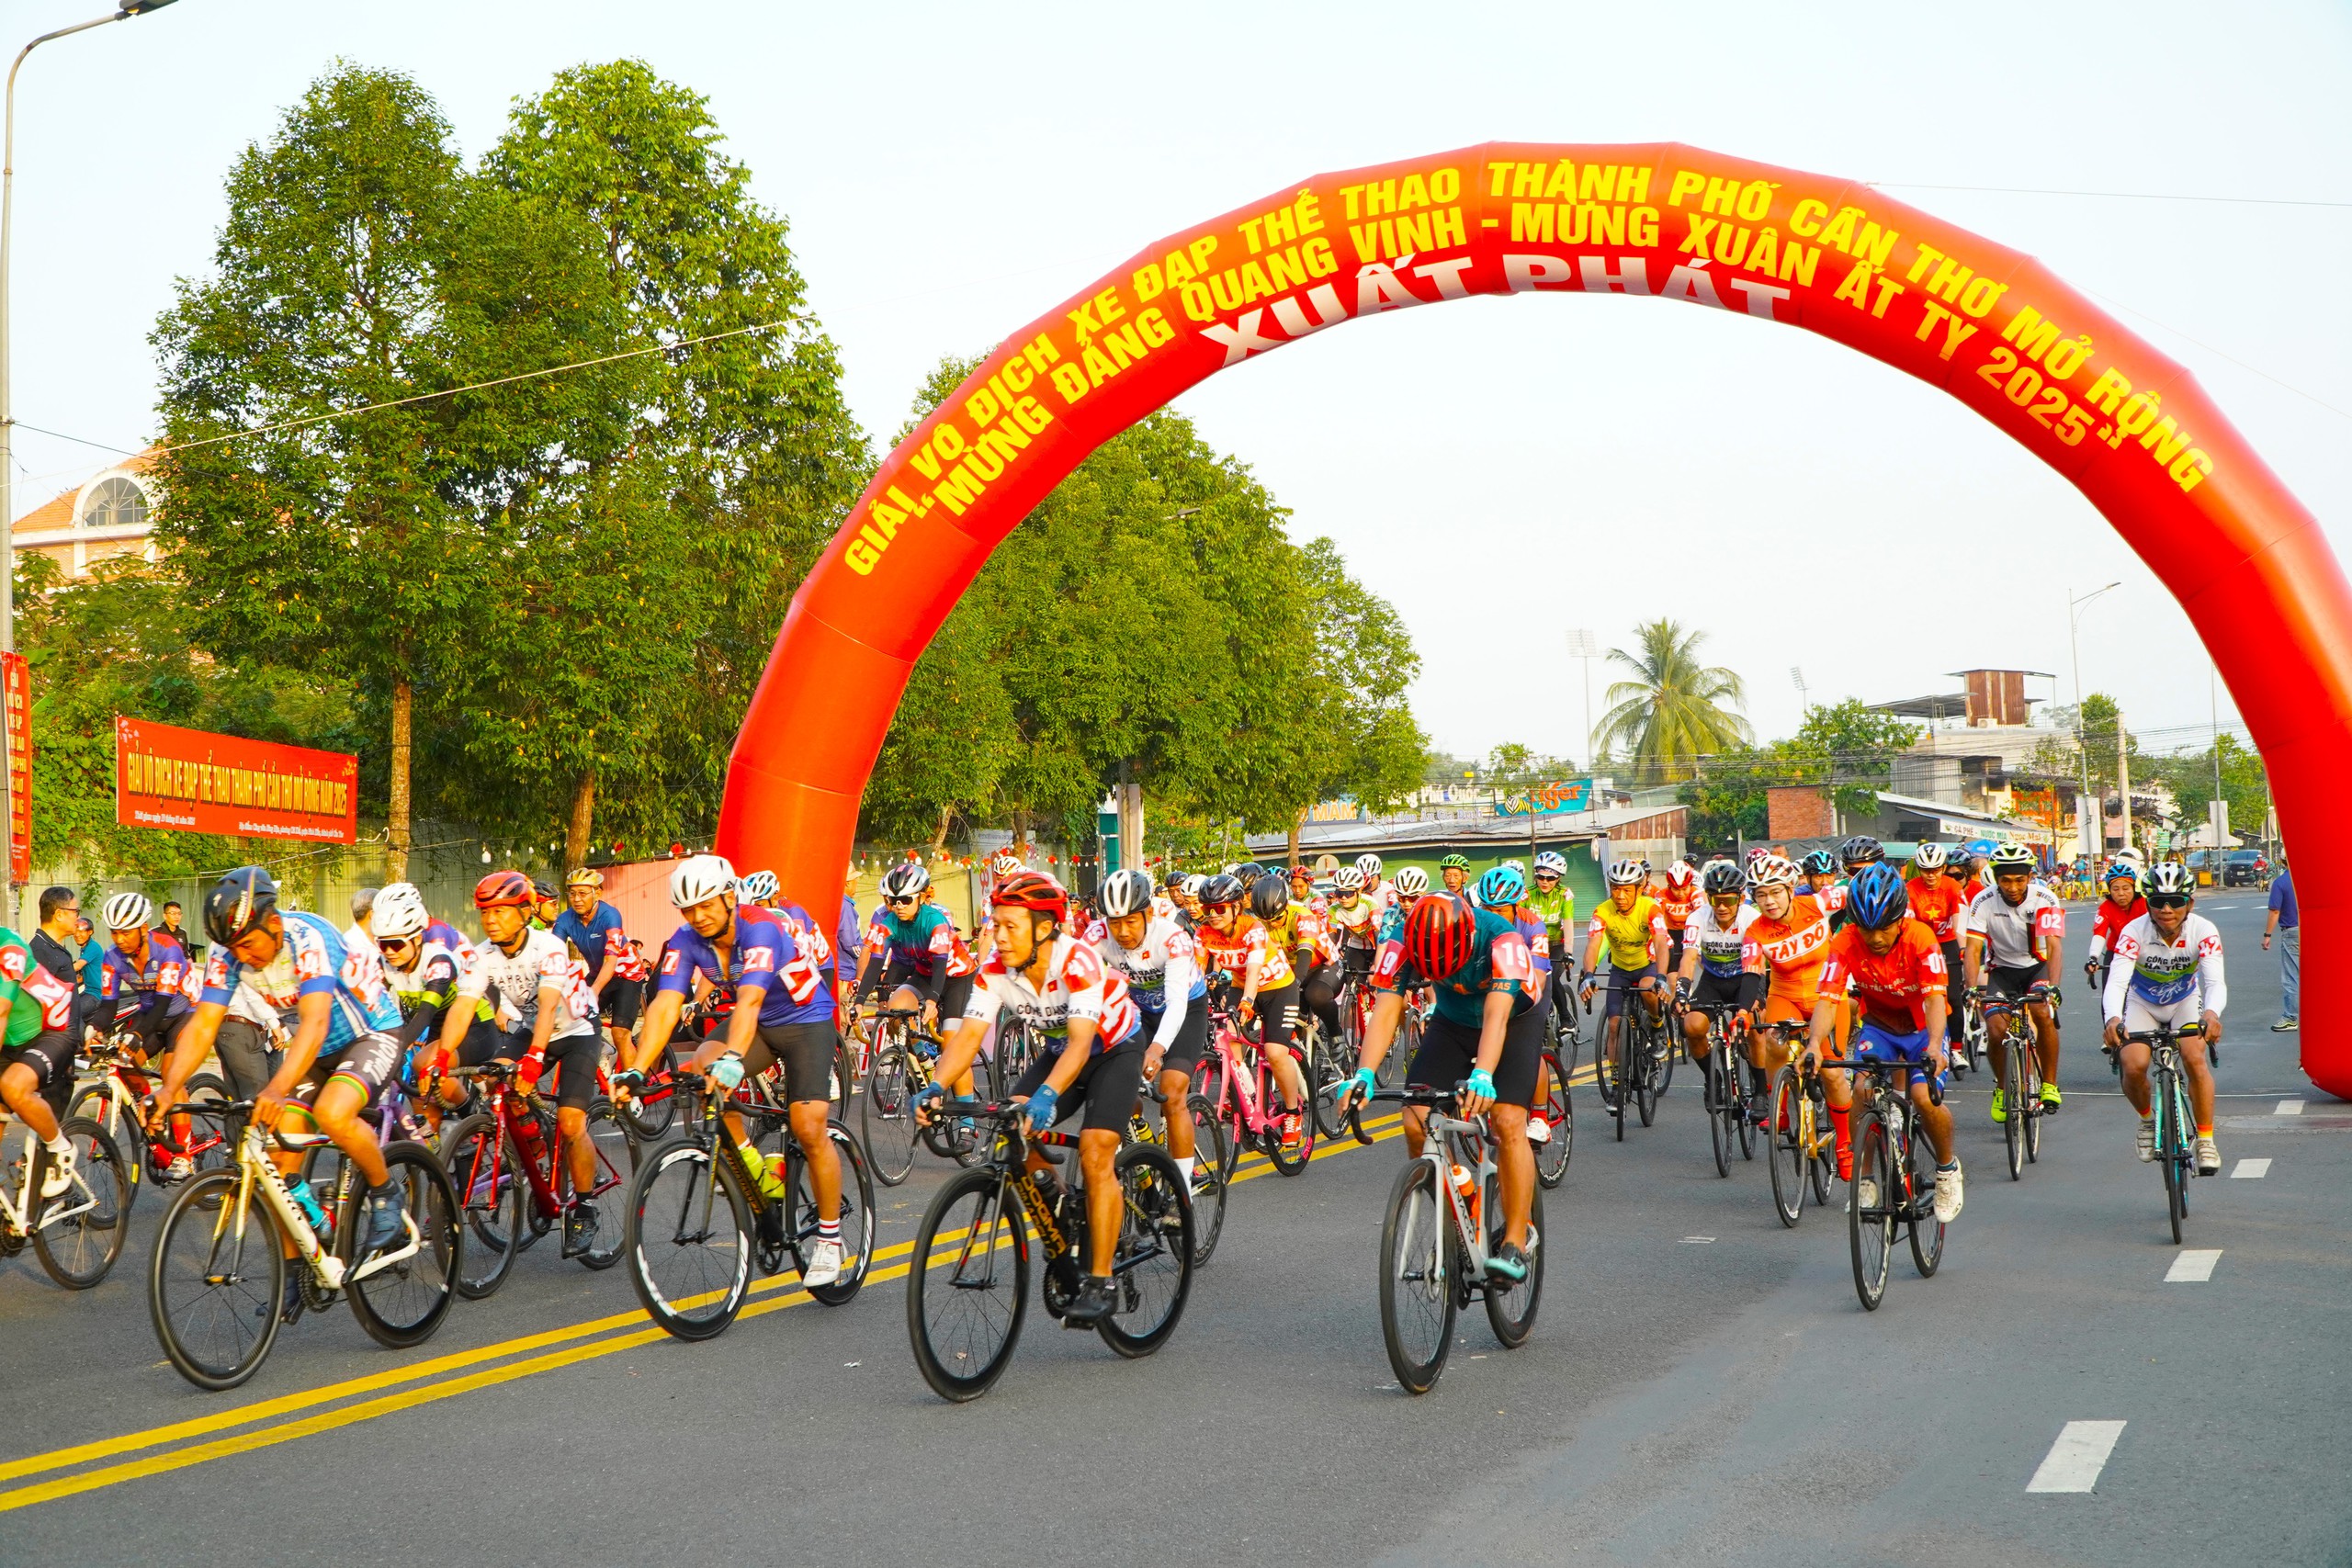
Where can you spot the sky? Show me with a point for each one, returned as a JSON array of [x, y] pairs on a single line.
[[1502, 470]]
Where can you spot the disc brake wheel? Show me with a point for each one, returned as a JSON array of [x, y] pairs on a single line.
[[1151, 1267], [968, 1285]]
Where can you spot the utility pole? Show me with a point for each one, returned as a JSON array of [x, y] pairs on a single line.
[[1585, 646], [2083, 817], [2122, 778]]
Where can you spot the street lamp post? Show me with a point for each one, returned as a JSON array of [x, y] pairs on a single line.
[[8, 416], [2091, 848]]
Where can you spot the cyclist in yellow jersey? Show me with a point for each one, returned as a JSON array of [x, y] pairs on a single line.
[[1632, 926]]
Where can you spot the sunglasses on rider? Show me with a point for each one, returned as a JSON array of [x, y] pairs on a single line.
[[394, 943], [2167, 900]]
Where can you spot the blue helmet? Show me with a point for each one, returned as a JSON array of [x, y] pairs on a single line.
[[2122, 868], [1501, 887], [1876, 897]]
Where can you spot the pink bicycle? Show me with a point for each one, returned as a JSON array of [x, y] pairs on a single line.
[[1238, 1082]]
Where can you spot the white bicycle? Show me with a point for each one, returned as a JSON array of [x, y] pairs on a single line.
[[77, 1235]]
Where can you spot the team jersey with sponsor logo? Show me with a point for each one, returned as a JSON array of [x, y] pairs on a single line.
[[1793, 947], [1499, 961], [2160, 973], [2020, 935], [131, 983], [919, 944], [36, 1000], [1937, 901], [1893, 985], [1723, 953], [2109, 919], [541, 961], [1628, 931], [311, 961], [777, 950], [1165, 959], [1079, 985], [1231, 950]]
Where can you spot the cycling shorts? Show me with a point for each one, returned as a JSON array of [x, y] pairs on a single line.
[[806, 1051], [50, 1057], [1108, 1085], [1620, 985], [568, 1064], [1450, 1050], [1277, 1014], [368, 1062], [1955, 972], [1191, 1038], [2012, 983], [2139, 1017], [953, 996], [1875, 1043], [1715, 990], [620, 1002]]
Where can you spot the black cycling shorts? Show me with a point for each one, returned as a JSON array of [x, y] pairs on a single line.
[[49, 1055], [368, 1061], [1450, 1050], [806, 1050], [1191, 1038], [619, 1003], [1621, 985], [1715, 990], [953, 996], [1108, 1085], [2012, 983], [1278, 1013]]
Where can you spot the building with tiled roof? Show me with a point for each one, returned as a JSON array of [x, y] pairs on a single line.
[[111, 514]]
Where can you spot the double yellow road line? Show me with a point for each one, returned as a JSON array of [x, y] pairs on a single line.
[[266, 1423]]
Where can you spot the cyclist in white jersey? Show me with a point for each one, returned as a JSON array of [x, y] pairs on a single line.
[[1719, 963], [2166, 969], [2016, 931], [1163, 974]]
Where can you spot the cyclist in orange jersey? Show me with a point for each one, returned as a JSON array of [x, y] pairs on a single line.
[[1937, 901], [1792, 932]]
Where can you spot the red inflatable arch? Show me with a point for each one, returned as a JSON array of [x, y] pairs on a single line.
[[2126, 425]]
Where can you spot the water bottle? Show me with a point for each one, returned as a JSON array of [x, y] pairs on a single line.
[[307, 1200], [1467, 1190]]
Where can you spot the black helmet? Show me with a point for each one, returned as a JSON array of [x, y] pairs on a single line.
[[1818, 863], [1248, 871], [1722, 877], [1268, 896], [237, 904], [1861, 850], [1222, 889]]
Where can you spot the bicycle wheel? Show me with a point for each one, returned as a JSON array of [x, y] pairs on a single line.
[[1151, 1270], [2172, 1151], [1752, 1089], [1785, 1127], [1824, 1166], [1609, 1076], [399, 1301], [215, 1282], [1926, 1231], [1662, 1064], [1560, 1115], [1418, 1253], [1209, 1166], [1643, 1079], [2013, 1109], [844, 1082], [1873, 1198], [2035, 1110], [212, 1128], [649, 1118], [885, 1114], [1721, 1096], [608, 1199], [857, 1221], [1510, 1312], [80, 1232], [690, 1240], [486, 1171], [1292, 1161], [94, 1102], [968, 1285], [1327, 1076]]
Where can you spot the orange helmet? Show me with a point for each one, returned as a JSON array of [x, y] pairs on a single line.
[[1034, 891], [505, 889]]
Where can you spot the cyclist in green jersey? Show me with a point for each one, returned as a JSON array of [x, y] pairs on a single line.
[[37, 1058], [1551, 899]]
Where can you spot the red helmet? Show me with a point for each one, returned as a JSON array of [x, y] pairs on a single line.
[[1440, 931], [1032, 890], [505, 889]]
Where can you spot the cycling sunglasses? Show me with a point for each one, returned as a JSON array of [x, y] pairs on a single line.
[[2167, 900], [909, 899], [395, 943]]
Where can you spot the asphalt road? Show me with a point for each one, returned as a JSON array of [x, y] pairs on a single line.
[[1702, 1387]]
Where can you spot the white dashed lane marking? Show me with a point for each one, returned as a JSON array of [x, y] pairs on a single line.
[[2194, 1266], [2287, 1108], [2074, 1460], [2250, 1170]]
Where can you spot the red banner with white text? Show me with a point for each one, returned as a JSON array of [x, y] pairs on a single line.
[[17, 693], [193, 781]]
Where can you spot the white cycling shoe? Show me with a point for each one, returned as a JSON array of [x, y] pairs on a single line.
[[1538, 1130], [59, 1176], [2147, 1140], [824, 1264], [1948, 1196], [2209, 1156]]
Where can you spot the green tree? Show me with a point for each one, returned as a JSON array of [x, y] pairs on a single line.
[[1674, 711], [2245, 785], [741, 457], [360, 265], [1847, 748]]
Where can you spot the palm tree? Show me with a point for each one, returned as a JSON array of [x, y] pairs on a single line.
[[1674, 712]]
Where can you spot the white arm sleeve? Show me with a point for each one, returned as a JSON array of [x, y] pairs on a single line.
[[2212, 989], [2119, 976], [1177, 987]]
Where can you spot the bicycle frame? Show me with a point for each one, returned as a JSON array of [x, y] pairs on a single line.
[[1448, 1140], [538, 1176], [1258, 1109], [255, 1169], [15, 1209]]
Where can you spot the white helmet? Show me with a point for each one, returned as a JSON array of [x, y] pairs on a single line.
[[1348, 879], [1927, 857], [1772, 871], [759, 887], [1369, 864], [1551, 862], [1192, 886], [1410, 882], [1125, 892], [1622, 872], [400, 911], [2131, 852], [699, 877], [908, 879], [127, 912]]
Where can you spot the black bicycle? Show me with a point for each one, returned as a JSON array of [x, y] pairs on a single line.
[[1894, 1185], [1556, 1107], [699, 1214], [1731, 1088], [2175, 1116], [2020, 1087], [967, 1282], [1638, 1072]]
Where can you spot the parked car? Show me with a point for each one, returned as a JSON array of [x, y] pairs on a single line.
[[2245, 868]]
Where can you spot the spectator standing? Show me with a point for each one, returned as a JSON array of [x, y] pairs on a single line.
[[91, 955], [2286, 923], [174, 924], [849, 941], [57, 944], [358, 934]]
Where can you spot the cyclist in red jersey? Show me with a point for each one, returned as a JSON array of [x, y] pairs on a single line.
[[2121, 906], [1936, 901], [1679, 901], [1894, 966]]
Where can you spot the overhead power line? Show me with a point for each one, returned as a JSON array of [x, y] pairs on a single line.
[[2118, 195]]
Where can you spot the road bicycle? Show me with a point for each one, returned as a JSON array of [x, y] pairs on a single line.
[[1643, 1067], [2021, 1086], [1730, 1087], [1237, 1081], [698, 1217], [1559, 1110], [2175, 1116], [216, 1285], [77, 1235], [1895, 1180], [1968, 1026], [1329, 1066], [1444, 1220], [1208, 1163], [1799, 1144], [898, 1069], [513, 1176], [968, 1285], [115, 1092]]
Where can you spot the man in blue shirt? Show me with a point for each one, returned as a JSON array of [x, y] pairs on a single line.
[[2286, 923], [594, 929]]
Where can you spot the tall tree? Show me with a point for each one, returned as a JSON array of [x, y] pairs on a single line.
[[360, 268], [1676, 709]]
